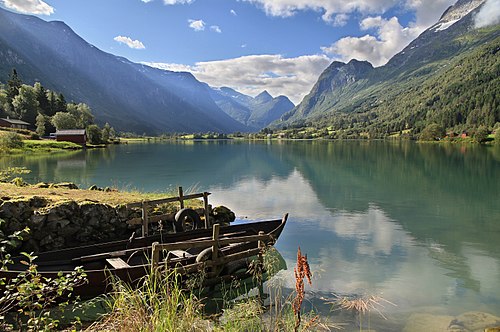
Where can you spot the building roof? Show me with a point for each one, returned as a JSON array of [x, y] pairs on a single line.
[[70, 132], [15, 121]]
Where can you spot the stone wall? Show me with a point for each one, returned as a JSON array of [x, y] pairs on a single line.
[[64, 224], [69, 224]]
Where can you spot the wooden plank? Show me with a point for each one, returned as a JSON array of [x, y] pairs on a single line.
[[151, 219], [110, 254], [155, 255], [181, 197], [190, 268], [208, 243], [181, 254], [167, 200], [215, 246], [145, 223], [205, 205], [117, 263]]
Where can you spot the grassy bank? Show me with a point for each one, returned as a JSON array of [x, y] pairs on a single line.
[[112, 197]]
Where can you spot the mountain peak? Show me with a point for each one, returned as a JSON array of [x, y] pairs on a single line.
[[459, 10], [263, 97]]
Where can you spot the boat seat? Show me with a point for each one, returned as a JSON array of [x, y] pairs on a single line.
[[117, 263], [181, 254]]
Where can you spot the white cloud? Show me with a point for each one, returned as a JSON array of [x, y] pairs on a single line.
[[29, 6], [233, 12], [146, 1], [489, 14], [340, 20], [216, 28], [329, 8], [390, 38], [129, 42], [197, 25], [177, 2], [292, 77]]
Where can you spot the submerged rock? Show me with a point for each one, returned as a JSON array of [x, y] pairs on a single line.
[[467, 322]]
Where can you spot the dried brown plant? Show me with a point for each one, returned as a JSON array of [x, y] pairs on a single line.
[[363, 304], [301, 271]]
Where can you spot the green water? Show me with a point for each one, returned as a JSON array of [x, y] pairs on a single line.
[[417, 224]]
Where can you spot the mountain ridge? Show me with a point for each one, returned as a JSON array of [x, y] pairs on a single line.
[[256, 112], [131, 97], [363, 103]]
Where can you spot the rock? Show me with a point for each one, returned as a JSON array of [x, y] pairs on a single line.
[[37, 221], [41, 185], [38, 202], [427, 322], [223, 215], [46, 241], [67, 185], [94, 187], [9, 210], [55, 226], [476, 321]]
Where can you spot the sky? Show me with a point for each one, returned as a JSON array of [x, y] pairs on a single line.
[[281, 46]]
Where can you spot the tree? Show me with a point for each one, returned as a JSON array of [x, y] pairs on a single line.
[[41, 97], [497, 137], [52, 99], [40, 124], [63, 120], [61, 104], [432, 132], [94, 134], [82, 114], [3, 101], [106, 132], [13, 85], [25, 104], [481, 134]]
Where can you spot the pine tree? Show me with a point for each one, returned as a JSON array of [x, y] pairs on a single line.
[[61, 105], [41, 97]]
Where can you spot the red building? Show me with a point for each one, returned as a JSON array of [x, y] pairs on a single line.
[[77, 136], [13, 123]]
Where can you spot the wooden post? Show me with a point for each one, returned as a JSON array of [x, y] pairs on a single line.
[[145, 221], [207, 213], [181, 197], [155, 256], [215, 247], [261, 244]]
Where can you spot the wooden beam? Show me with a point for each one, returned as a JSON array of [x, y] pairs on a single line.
[[167, 200]]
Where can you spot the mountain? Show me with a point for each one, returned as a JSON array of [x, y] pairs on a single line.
[[256, 112], [130, 96], [449, 75]]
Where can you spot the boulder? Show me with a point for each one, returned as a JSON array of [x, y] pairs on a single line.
[[223, 215]]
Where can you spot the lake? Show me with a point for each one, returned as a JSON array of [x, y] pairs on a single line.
[[416, 224]]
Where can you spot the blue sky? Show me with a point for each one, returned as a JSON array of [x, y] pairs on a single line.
[[250, 45]]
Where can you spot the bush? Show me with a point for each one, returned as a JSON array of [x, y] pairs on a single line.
[[481, 134], [11, 140], [432, 132]]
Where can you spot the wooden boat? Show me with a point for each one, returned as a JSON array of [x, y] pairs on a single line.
[[130, 260]]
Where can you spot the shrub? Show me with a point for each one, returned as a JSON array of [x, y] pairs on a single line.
[[432, 132], [11, 140]]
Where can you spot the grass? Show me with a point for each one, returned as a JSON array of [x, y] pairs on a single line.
[[161, 303], [112, 197]]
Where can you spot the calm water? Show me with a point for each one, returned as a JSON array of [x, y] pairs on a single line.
[[417, 224]]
